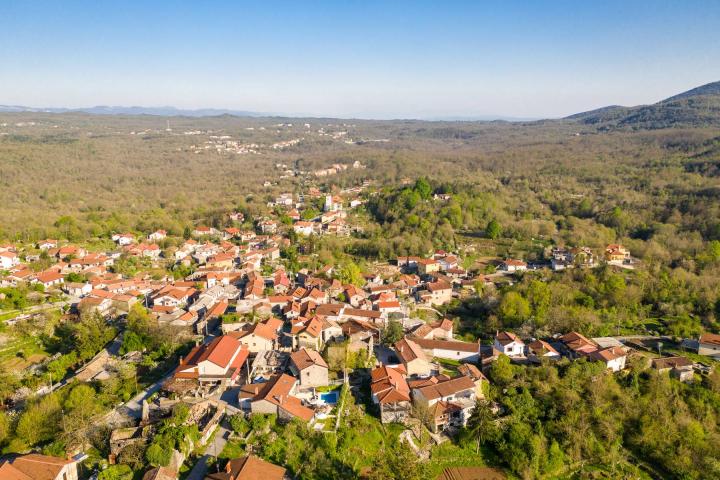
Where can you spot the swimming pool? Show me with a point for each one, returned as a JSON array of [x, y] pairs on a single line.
[[331, 398]]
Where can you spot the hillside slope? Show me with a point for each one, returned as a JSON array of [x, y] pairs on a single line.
[[699, 107]]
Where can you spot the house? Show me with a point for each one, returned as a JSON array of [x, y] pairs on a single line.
[[230, 232], [389, 306], [679, 367], [391, 393], [217, 362], [47, 244], [353, 295], [307, 333], [615, 253], [34, 466], [577, 344], [441, 330], [613, 357], [478, 378], [123, 239], [709, 344], [294, 214], [540, 349], [304, 228], [95, 304], [49, 278], [360, 335], [276, 397], [438, 293], [8, 260], [160, 473], [257, 337], [512, 266], [448, 401], [268, 226], [562, 258], [77, 289], [450, 349], [412, 357], [509, 344], [157, 236], [203, 231], [427, 266], [249, 467], [310, 368], [331, 331]]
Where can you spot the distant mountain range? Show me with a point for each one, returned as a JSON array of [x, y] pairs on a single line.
[[695, 108], [118, 110]]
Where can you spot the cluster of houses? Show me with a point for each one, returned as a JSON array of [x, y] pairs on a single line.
[[267, 332], [563, 258]]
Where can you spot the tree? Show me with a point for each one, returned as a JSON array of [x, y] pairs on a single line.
[[539, 294], [513, 308], [91, 334], [158, 455], [4, 427], [481, 425], [493, 229], [349, 272], [239, 424], [116, 472], [81, 410], [41, 421], [392, 333], [423, 188], [502, 371], [402, 464]]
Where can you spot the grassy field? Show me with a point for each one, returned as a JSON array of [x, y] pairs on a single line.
[[18, 352]]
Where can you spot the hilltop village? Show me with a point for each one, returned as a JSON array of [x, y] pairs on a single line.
[[228, 324]]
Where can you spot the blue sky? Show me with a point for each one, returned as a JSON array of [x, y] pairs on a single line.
[[391, 59]]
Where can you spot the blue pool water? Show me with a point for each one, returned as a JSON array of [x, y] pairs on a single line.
[[330, 398]]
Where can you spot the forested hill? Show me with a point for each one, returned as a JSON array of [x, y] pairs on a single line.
[[699, 107]]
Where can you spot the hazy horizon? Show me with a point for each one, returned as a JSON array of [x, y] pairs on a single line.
[[521, 60]]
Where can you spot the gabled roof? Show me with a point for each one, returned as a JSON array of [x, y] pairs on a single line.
[[578, 343], [220, 352], [608, 354], [447, 345], [710, 338], [449, 387], [313, 327], [470, 370], [389, 385], [439, 285], [48, 276], [39, 467], [8, 472], [671, 362], [262, 330], [407, 350], [506, 338], [541, 347], [249, 468], [277, 391], [305, 358]]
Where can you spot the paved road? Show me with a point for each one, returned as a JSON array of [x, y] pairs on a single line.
[[214, 448]]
